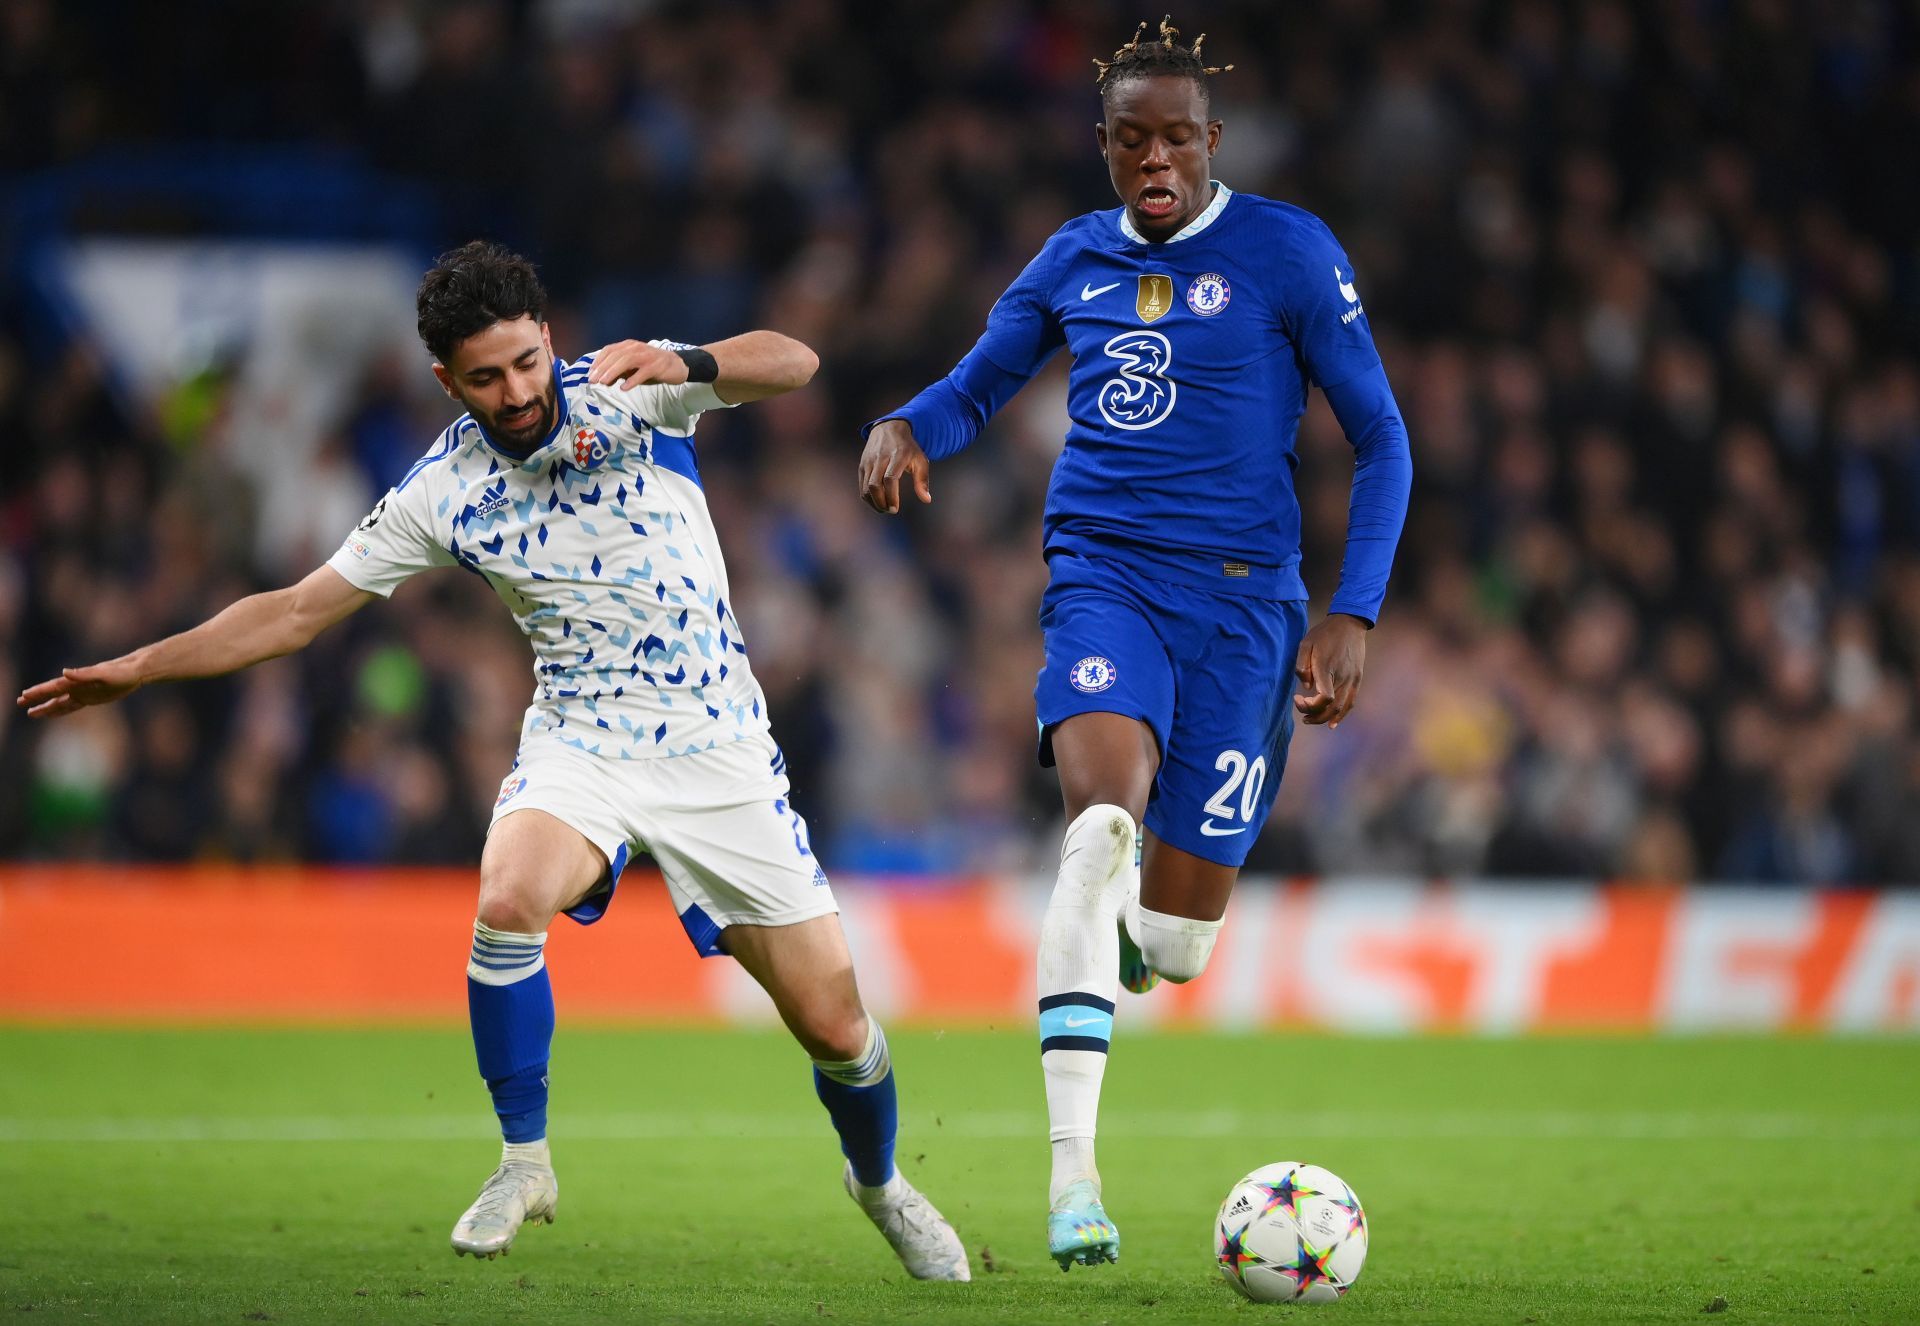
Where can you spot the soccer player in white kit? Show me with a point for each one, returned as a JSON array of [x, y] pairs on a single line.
[[573, 489]]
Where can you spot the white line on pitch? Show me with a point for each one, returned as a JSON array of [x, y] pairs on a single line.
[[1275, 1125]]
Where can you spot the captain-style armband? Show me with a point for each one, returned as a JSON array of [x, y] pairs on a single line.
[[701, 366]]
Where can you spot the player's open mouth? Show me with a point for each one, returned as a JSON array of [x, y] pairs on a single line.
[[1157, 202]]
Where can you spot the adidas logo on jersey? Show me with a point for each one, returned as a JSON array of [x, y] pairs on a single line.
[[491, 500]]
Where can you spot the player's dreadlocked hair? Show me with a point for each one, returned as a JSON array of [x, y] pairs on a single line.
[[472, 287], [1144, 59]]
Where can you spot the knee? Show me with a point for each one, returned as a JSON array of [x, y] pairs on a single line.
[[1121, 788], [1177, 947], [1097, 858], [833, 1035], [510, 905]]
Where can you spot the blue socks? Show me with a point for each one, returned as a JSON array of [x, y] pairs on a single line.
[[859, 1096], [510, 1003]]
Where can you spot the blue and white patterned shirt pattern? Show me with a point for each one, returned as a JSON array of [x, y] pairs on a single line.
[[600, 544]]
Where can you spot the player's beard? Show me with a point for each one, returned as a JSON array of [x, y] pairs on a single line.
[[529, 435]]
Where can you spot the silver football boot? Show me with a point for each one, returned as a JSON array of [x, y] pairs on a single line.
[[515, 1193], [927, 1245]]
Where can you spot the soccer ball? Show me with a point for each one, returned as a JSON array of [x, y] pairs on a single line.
[[1291, 1233]]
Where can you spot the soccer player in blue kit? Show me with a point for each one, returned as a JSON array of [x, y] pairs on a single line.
[[1175, 615]]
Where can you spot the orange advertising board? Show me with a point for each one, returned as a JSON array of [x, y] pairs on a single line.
[[294, 944]]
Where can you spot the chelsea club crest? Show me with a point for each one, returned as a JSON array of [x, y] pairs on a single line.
[[1092, 674], [1208, 294]]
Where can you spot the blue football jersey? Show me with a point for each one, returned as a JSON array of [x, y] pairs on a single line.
[[1191, 364]]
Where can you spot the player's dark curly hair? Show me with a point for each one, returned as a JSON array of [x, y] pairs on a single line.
[[472, 287], [1146, 59]]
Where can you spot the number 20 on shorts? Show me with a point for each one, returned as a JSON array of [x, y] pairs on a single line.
[[1247, 779]]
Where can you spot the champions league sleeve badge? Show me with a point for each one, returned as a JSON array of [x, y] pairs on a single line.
[[1093, 674], [1208, 294]]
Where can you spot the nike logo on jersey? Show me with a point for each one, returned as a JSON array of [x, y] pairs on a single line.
[[1088, 292], [1212, 830], [1082, 1022]]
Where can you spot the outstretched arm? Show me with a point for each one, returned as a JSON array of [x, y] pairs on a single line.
[[893, 455], [1334, 654], [748, 367], [940, 422], [1022, 334], [257, 628]]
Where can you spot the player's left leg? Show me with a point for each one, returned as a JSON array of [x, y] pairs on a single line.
[[808, 972], [1173, 921], [1225, 754], [744, 879]]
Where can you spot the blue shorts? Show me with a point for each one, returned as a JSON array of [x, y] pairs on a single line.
[[1211, 674]]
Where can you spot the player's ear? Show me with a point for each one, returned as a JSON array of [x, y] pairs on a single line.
[[1100, 136], [446, 380], [1213, 136], [546, 337]]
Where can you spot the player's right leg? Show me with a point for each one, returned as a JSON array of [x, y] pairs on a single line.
[[533, 867], [1104, 698], [1106, 763], [806, 969]]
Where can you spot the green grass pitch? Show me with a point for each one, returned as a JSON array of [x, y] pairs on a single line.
[[312, 1176]]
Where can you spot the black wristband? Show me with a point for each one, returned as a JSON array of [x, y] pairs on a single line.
[[701, 366]]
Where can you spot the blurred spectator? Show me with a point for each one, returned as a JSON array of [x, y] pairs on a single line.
[[1644, 278]]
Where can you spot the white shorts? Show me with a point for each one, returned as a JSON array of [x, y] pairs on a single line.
[[732, 848]]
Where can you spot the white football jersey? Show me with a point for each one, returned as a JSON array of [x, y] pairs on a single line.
[[601, 546]]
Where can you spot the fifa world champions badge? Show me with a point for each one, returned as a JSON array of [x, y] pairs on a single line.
[[1208, 294], [1154, 296], [1093, 674]]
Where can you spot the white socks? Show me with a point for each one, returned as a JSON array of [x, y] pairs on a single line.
[[532, 1153], [1078, 975], [1072, 1162], [1175, 946], [505, 957], [873, 1064]]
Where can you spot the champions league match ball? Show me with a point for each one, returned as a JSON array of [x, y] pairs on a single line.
[[1291, 1233]]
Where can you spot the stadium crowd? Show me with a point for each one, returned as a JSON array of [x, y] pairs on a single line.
[[1646, 281]]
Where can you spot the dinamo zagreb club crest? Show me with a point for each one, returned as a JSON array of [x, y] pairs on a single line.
[[1155, 296], [1208, 294], [590, 447], [1092, 674]]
